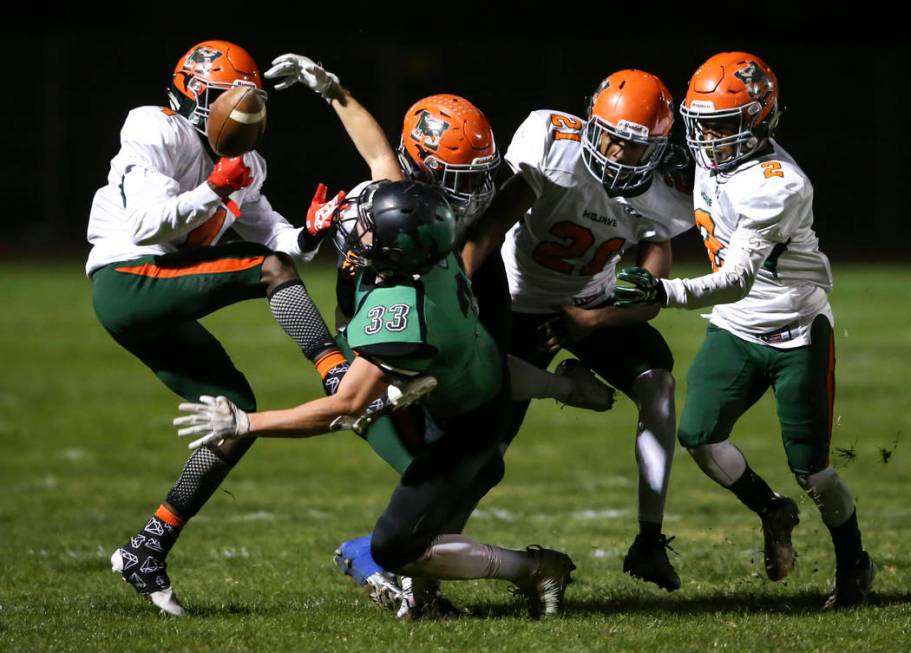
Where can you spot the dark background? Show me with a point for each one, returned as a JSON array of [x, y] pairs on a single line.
[[844, 122]]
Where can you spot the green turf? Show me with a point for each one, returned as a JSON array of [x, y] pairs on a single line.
[[87, 451]]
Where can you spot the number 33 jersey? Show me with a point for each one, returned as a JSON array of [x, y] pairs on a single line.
[[565, 248], [429, 325], [769, 279]]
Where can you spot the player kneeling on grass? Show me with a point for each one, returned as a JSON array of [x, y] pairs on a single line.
[[416, 316], [772, 323]]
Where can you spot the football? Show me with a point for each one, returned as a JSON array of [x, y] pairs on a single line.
[[237, 120]]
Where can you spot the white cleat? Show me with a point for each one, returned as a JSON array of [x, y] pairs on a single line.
[[163, 599], [588, 391]]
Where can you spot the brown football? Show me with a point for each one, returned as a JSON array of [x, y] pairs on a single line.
[[237, 120]]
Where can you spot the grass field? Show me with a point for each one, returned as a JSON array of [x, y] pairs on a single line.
[[87, 452]]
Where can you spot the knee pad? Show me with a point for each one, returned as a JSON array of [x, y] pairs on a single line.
[[653, 385], [830, 494], [653, 392], [721, 461]]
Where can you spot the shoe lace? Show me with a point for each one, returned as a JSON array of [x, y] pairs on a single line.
[[665, 542]]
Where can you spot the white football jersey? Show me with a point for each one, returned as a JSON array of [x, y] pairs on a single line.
[[757, 224], [156, 200], [565, 248]]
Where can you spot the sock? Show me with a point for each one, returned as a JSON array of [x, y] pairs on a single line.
[[297, 315], [650, 530], [754, 492], [456, 557], [331, 366], [847, 541], [530, 382]]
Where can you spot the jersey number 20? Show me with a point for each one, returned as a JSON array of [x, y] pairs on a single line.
[[577, 241]]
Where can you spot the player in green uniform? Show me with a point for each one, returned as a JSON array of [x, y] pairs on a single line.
[[416, 316]]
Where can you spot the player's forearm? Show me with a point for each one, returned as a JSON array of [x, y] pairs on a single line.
[[156, 222], [487, 234], [367, 136], [617, 317], [731, 283], [304, 421]]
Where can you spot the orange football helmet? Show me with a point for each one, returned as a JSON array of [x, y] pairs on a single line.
[[206, 71], [631, 106], [448, 142], [731, 108]]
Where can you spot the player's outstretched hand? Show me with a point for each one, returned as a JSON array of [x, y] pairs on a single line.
[[643, 289], [290, 69], [229, 175], [218, 418], [321, 213]]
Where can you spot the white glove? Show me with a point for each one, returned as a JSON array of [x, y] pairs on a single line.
[[218, 417], [292, 69]]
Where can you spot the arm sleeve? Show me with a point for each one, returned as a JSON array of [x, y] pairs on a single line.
[[746, 253], [155, 208], [764, 221]]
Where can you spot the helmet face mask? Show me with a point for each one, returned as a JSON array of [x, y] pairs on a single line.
[[624, 138], [447, 141], [615, 175], [469, 187], [206, 71], [395, 228], [730, 110]]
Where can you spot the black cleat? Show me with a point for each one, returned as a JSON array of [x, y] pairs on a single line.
[[647, 560], [852, 584]]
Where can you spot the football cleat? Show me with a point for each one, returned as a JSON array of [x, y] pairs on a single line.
[[149, 578], [647, 560], [544, 589], [852, 584], [777, 525], [354, 559], [588, 391], [422, 598]]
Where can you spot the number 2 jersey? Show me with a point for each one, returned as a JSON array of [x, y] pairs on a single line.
[[429, 326], [156, 201], [565, 248], [769, 279]]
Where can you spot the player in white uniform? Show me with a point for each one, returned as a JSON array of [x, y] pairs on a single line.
[[156, 268], [771, 324], [585, 192]]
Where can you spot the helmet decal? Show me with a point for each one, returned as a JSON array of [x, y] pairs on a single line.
[[754, 78], [203, 57], [429, 130]]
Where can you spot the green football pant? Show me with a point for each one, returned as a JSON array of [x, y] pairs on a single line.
[[729, 375], [151, 306]]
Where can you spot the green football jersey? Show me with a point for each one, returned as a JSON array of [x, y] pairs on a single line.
[[429, 326]]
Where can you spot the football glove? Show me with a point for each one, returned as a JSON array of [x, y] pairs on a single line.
[[230, 175], [291, 69], [645, 289], [218, 417], [321, 212]]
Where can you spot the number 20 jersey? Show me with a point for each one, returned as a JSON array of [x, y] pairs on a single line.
[[565, 248]]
